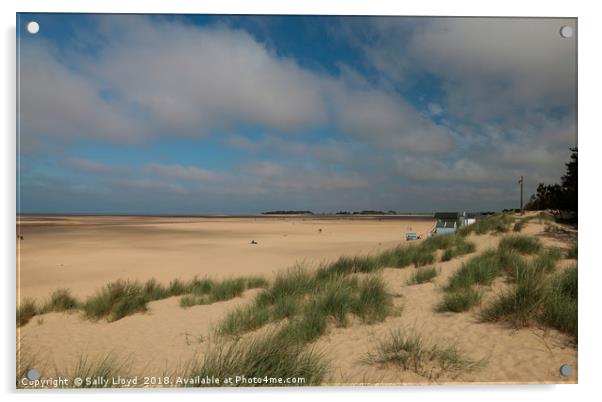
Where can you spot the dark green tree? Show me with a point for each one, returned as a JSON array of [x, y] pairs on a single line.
[[561, 196], [569, 183]]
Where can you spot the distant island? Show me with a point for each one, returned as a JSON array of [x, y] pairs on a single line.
[[370, 212], [363, 212], [287, 213], [373, 212]]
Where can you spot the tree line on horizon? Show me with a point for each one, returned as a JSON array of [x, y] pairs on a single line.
[[560, 196], [363, 212]]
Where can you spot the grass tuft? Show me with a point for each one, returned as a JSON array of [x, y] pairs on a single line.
[[255, 282], [26, 310], [405, 350], [520, 243], [269, 356], [410, 352], [422, 275], [443, 241], [293, 282], [106, 367], [373, 303], [310, 302], [60, 300], [154, 290], [334, 300], [511, 262], [401, 257], [481, 269], [545, 217], [519, 305], [200, 286], [286, 307], [560, 308], [350, 265], [497, 223], [228, 289], [205, 291], [308, 327], [519, 225], [422, 256], [116, 300], [572, 253], [193, 300], [459, 250], [176, 287], [547, 259], [24, 362], [244, 319], [459, 300]]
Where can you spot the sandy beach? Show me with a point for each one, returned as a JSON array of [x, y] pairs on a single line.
[[84, 253]]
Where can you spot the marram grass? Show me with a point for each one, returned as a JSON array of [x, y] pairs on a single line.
[[310, 302], [268, 356], [459, 300], [422, 275], [409, 351]]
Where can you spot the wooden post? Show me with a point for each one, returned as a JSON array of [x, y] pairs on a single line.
[[521, 194]]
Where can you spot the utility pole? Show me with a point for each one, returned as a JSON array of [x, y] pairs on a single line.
[[521, 194]]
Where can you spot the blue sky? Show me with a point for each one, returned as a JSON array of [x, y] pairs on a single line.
[[242, 114]]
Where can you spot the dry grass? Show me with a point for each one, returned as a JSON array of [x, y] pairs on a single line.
[[409, 351]]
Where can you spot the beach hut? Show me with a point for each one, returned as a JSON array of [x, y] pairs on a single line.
[[469, 219], [449, 222]]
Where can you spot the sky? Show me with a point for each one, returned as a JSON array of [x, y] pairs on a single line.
[[209, 114]]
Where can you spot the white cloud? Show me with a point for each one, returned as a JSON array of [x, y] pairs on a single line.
[[327, 151], [180, 172], [193, 79], [253, 177], [57, 102], [489, 67], [147, 186], [435, 109], [154, 77], [387, 120], [88, 166], [462, 170], [241, 142], [276, 177], [526, 55]]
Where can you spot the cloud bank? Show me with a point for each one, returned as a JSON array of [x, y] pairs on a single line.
[[157, 114]]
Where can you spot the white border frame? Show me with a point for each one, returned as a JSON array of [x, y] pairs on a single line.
[[589, 142]]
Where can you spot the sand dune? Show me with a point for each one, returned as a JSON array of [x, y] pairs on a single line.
[[168, 336]]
